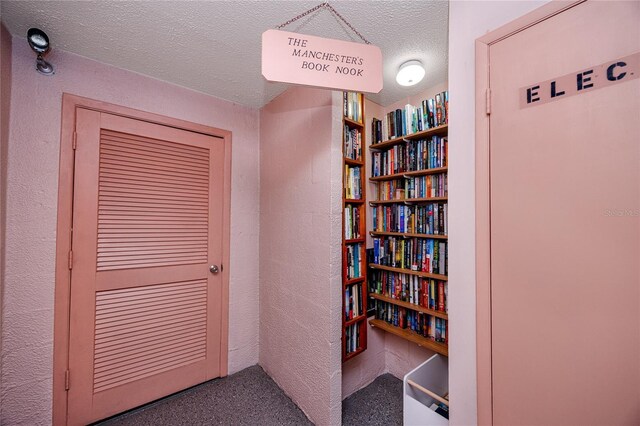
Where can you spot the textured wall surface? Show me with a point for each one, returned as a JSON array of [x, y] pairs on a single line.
[[468, 20], [300, 229], [5, 101], [32, 202]]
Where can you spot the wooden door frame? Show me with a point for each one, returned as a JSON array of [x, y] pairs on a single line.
[[483, 198], [70, 103]]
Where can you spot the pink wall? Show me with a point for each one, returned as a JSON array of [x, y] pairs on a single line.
[[5, 101], [31, 212], [300, 258], [468, 20], [360, 371]]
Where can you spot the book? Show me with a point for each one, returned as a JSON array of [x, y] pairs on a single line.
[[414, 155], [411, 119]]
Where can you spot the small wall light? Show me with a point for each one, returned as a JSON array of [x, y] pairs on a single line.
[[39, 43], [410, 73]]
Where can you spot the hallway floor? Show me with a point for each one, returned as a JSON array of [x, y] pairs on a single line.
[[379, 403], [251, 397]]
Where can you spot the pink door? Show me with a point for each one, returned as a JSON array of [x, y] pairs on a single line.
[[147, 224], [565, 219]]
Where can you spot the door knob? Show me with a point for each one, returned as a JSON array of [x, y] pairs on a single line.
[[213, 269]]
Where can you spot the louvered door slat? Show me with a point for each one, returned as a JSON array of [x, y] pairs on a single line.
[[159, 146], [115, 180], [163, 197], [140, 146], [161, 178], [160, 333], [145, 309], [150, 342]]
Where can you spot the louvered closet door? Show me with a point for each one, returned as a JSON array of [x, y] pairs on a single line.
[[147, 223]]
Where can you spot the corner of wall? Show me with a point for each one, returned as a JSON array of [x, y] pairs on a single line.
[[336, 257], [468, 20], [5, 105], [300, 218]]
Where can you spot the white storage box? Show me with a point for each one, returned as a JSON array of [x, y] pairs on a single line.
[[432, 376]]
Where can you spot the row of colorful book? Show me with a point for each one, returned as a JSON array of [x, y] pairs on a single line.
[[414, 187], [428, 219], [352, 143], [425, 325], [412, 156], [352, 222], [352, 105], [416, 254], [426, 292], [352, 182], [429, 113], [354, 267], [352, 338], [353, 301]]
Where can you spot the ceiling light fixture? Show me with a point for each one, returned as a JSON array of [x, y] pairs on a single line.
[[410, 73], [39, 43]]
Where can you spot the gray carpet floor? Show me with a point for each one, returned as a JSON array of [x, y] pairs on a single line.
[[378, 404], [251, 397]]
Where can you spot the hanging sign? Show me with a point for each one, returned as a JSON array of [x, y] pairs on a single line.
[[603, 75], [322, 62]]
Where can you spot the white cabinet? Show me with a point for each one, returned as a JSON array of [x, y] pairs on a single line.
[[432, 376]]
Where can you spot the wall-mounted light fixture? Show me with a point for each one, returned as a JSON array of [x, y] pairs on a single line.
[[39, 43], [410, 73]]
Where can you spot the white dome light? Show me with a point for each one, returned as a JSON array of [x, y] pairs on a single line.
[[410, 73]]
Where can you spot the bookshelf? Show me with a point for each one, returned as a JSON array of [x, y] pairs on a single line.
[[354, 227], [408, 274]]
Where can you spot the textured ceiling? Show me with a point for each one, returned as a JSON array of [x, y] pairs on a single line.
[[215, 46]]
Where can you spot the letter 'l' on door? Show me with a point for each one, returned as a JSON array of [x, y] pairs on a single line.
[[145, 316]]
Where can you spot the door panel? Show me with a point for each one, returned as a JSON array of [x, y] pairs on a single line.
[[147, 222], [565, 274]]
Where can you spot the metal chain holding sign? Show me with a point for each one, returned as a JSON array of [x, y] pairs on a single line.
[[334, 12]]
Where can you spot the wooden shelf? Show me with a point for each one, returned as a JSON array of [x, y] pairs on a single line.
[[353, 354], [353, 281], [411, 336], [354, 241], [355, 320], [409, 271], [407, 235], [353, 123], [440, 130], [408, 305], [353, 201], [351, 126], [409, 174], [409, 200], [353, 162]]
